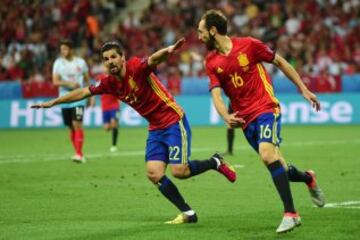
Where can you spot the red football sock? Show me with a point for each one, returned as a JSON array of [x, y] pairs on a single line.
[[72, 138], [79, 140]]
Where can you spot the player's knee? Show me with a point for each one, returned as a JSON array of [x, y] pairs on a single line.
[[180, 172], [267, 156], [154, 177], [114, 124], [76, 125]]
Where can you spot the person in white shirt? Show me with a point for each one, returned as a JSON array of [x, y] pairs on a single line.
[[71, 72]]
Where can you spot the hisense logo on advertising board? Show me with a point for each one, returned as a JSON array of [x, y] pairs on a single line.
[[19, 114], [302, 112]]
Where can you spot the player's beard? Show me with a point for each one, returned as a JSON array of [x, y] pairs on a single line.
[[114, 70], [210, 44]]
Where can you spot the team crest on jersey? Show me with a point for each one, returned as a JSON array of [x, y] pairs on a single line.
[[133, 85], [219, 70], [243, 62]]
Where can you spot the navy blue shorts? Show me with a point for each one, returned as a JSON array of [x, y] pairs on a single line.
[[265, 128], [170, 145], [111, 114]]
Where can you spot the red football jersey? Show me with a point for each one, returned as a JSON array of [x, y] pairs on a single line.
[[109, 102], [243, 77], [143, 91]]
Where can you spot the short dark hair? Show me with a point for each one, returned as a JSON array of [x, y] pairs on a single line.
[[112, 45], [66, 42], [217, 19]]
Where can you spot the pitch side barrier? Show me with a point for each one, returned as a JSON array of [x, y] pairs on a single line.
[[336, 109]]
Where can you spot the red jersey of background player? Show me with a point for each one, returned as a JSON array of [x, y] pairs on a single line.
[[108, 102], [243, 77], [143, 91]]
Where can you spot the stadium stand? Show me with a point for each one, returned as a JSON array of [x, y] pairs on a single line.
[[30, 33]]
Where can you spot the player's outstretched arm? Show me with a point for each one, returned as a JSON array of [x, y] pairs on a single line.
[[161, 55], [68, 84], [291, 73], [230, 119], [72, 96]]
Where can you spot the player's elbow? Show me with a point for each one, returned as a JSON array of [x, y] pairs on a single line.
[[280, 62], [153, 62]]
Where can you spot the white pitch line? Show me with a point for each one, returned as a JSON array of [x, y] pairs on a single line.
[[62, 156], [346, 204], [238, 166]]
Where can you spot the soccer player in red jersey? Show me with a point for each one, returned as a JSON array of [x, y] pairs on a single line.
[[110, 106], [169, 138], [235, 65]]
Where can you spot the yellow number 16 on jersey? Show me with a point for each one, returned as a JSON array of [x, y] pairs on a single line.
[[236, 80]]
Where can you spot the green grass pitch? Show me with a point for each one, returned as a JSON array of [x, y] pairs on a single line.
[[43, 195]]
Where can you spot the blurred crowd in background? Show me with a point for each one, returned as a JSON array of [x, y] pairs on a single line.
[[320, 38]]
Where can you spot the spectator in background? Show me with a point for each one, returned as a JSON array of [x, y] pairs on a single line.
[[174, 81], [307, 33], [4, 75], [327, 83], [92, 29]]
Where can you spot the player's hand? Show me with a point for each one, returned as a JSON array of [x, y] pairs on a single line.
[[176, 46], [233, 121], [312, 99], [43, 105]]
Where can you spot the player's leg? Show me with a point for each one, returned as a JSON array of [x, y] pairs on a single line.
[[178, 139], [77, 117], [106, 117], [156, 160], [270, 158], [264, 136], [294, 174], [308, 177], [230, 135], [108, 126], [114, 125], [67, 119]]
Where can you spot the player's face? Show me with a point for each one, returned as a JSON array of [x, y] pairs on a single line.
[[65, 51], [205, 36], [113, 61]]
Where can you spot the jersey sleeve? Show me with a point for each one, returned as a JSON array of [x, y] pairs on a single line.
[[101, 86], [56, 67], [141, 64], [213, 79], [262, 53]]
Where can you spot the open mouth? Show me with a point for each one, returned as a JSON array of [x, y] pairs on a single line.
[[113, 68]]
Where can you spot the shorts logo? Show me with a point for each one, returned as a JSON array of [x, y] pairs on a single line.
[[243, 62]]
